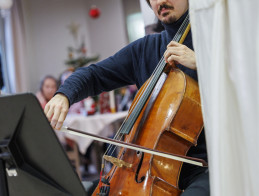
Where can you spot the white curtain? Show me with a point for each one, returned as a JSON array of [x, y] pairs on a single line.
[[19, 47], [13, 49], [6, 51], [226, 41]]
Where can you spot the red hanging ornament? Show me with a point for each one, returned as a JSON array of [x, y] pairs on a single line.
[[94, 12]]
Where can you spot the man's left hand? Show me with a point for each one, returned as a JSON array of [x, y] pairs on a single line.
[[180, 54]]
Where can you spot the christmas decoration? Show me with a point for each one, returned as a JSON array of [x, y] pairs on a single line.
[[104, 103], [94, 12], [77, 55], [90, 106]]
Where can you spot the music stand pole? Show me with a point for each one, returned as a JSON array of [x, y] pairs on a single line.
[[3, 179]]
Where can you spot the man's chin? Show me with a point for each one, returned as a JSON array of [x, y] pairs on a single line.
[[169, 20]]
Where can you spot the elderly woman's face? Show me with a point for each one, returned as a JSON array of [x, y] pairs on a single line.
[[49, 88]]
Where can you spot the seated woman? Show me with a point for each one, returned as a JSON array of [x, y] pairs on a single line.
[[48, 87]]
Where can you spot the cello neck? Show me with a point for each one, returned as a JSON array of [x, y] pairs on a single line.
[[179, 37]]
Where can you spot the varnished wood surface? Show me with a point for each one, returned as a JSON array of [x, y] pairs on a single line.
[[173, 125]]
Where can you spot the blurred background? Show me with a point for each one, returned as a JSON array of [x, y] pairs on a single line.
[[42, 42], [37, 35]]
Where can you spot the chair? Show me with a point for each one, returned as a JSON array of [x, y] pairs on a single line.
[[73, 155]]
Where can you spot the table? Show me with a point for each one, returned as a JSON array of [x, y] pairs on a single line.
[[99, 124]]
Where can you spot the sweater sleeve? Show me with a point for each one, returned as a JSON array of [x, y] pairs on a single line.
[[111, 73]]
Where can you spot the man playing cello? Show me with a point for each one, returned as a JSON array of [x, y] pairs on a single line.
[[133, 65]]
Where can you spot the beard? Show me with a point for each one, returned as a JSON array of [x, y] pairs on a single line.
[[169, 20], [165, 18]]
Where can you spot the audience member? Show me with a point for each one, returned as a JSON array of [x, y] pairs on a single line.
[[48, 87]]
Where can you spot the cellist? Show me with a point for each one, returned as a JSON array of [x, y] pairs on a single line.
[[134, 64]]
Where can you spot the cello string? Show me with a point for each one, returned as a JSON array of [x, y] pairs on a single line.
[[161, 64], [154, 77], [158, 69]]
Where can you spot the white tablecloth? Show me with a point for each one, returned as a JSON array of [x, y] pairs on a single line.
[[99, 124]]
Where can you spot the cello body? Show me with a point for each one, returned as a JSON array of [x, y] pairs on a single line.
[[171, 121]]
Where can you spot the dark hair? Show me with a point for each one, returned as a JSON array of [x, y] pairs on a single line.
[[148, 2], [45, 78]]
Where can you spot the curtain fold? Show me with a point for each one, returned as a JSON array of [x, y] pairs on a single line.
[[226, 41], [19, 47]]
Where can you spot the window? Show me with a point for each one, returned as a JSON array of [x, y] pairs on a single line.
[[135, 26]]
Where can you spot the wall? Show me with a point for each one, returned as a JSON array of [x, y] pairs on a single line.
[[47, 35], [107, 33]]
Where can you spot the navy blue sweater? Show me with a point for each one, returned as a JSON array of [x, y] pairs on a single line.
[[131, 65]]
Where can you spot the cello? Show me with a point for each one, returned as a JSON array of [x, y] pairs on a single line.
[[165, 116]]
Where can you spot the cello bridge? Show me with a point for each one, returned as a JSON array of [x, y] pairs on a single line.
[[117, 162]]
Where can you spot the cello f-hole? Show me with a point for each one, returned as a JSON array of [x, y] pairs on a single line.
[[138, 168]]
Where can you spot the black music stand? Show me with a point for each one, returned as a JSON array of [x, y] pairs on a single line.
[[32, 161]]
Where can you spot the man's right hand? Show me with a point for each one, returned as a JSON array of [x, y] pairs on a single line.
[[56, 110]]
